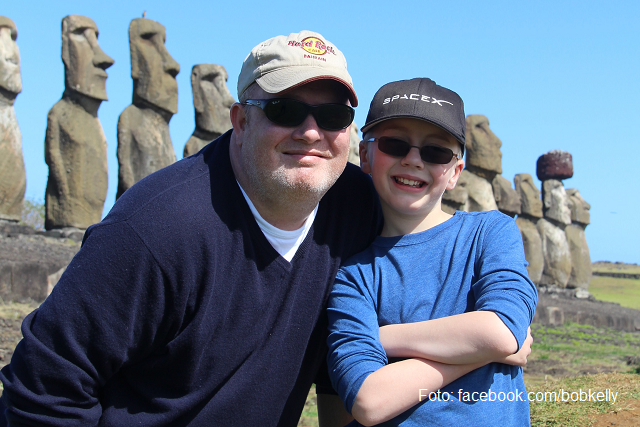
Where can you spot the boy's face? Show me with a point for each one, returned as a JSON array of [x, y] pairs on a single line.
[[409, 188]]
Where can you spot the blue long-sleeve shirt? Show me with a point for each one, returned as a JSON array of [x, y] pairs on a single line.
[[473, 261]]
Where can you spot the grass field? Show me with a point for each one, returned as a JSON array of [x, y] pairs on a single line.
[[616, 267], [625, 292]]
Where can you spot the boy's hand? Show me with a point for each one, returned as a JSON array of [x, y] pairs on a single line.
[[520, 358]]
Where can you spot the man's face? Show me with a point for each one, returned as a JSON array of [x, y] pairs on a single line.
[[408, 186], [85, 62], [295, 162], [154, 70], [9, 62]]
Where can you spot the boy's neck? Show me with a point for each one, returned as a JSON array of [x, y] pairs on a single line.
[[398, 224]]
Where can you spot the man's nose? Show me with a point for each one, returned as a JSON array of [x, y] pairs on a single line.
[[308, 130]]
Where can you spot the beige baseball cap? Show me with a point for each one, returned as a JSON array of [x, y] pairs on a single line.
[[282, 63]]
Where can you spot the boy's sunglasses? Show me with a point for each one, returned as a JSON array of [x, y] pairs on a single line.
[[289, 112], [428, 153]]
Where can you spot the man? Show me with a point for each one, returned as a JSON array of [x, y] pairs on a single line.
[[199, 300]]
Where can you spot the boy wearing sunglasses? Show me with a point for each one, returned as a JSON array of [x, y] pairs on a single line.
[[447, 297]]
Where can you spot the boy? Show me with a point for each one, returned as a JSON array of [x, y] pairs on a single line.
[[466, 271]]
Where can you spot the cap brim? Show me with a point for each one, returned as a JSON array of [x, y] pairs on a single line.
[[288, 78], [368, 126]]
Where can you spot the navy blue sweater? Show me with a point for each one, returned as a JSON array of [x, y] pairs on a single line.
[[178, 312]]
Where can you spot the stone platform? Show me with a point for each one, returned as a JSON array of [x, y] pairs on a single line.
[[557, 306], [31, 262]]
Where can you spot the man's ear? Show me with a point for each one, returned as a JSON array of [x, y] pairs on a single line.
[[365, 165], [456, 174], [238, 117]]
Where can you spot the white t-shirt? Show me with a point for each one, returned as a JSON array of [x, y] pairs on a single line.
[[283, 241]]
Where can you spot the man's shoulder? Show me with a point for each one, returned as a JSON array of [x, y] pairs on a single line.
[[173, 194], [353, 189]]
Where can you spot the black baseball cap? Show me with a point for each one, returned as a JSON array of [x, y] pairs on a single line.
[[419, 98]]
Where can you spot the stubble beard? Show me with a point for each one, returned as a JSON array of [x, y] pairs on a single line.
[[282, 184]]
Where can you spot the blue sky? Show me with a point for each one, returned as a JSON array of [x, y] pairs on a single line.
[[548, 75]]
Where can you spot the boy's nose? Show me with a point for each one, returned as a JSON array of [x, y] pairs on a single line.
[[413, 158]]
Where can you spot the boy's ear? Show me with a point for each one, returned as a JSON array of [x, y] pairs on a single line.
[[365, 165], [456, 174]]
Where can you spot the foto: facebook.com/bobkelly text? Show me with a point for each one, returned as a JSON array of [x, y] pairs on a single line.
[[559, 395]]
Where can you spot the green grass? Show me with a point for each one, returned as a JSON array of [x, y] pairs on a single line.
[[574, 349], [610, 267], [309, 417], [578, 414], [625, 292]]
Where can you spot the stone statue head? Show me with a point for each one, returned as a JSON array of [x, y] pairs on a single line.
[[211, 97], [529, 195], [579, 207], [153, 70], [484, 157], [556, 202], [9, 57], [84, 62]]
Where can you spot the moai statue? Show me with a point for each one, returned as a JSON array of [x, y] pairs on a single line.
[[484, 157], [530, 213], [507, 199], [212, 102], [531, 203], [551, 168], [479, 193], [455, 200], [144, 143], [483, 165], [75, 145], [580, 258], [354, 145], [13, 178]]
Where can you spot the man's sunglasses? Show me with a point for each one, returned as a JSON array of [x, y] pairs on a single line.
[[289, 112], [428, 153]]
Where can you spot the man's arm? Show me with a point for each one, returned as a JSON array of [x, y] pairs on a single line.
[[107, 310]]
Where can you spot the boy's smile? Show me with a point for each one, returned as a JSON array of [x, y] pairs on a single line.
[[410, 189], [408, 181]]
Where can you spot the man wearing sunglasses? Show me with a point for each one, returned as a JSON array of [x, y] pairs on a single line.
[[447, 297], [199, 300]]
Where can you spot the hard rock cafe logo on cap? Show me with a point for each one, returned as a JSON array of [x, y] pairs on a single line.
[[313, 45]]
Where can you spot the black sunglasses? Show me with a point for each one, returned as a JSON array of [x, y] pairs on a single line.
[[428, 153], [289, 112]]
